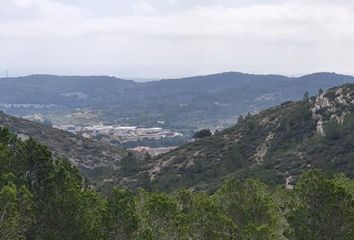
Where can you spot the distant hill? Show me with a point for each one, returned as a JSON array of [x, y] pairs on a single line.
[[68, 91], [273, 145], [196, 102]]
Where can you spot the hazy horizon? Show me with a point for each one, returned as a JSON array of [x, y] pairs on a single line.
[[142, 79], [166, 78]]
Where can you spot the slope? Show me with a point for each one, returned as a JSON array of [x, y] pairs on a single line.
[[94, 159], [275, 145]]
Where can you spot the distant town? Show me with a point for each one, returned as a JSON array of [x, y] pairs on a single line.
[[117, 134], [26, 105]]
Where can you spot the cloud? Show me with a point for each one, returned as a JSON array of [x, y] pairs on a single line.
[[143, 7], [172, 38]]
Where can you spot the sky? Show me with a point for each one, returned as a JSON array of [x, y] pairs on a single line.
[[175, 38]]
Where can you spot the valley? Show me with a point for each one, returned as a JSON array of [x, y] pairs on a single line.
[[270, 166], [275, 144], [177, 107], [176, 120], [258, 179]]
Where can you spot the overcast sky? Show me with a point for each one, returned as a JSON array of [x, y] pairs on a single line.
[[173, 38]]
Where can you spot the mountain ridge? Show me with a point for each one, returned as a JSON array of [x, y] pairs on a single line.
[[183, 104]]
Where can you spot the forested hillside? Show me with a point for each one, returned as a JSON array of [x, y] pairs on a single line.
[[275, 145], [46, 198], [185, 104], [92, 158]]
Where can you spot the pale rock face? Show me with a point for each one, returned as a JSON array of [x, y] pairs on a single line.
[[289, 183], [264, 121], [341, 99], [158, 167], [320, 127], [321, 102], [339, 119], [262, 150], [23, 137]]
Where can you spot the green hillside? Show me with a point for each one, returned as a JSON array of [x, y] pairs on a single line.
[[42, 197], [273, 145], [92, 158]]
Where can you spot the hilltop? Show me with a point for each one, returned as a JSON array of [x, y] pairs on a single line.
[[275, 145]]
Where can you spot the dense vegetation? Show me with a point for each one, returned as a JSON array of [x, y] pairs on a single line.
[[273, 145], [94, 159], [202, 133], [43, 198]]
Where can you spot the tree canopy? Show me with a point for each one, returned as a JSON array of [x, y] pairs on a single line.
[[46, 198]]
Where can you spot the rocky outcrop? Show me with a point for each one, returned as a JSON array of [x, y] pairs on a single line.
[[333, 104]]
